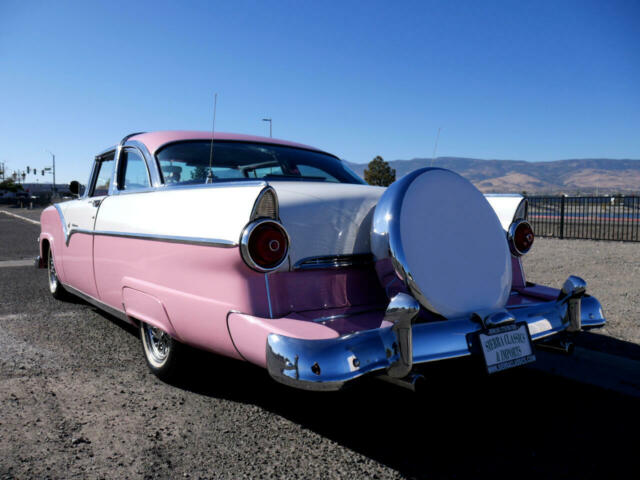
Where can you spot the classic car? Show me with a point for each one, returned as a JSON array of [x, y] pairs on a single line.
[[276, 253]]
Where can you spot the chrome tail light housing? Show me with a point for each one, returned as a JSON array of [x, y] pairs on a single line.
[[520, 237], [264, 245]]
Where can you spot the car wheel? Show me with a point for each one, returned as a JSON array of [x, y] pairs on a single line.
[[55, 287], [164, 354]]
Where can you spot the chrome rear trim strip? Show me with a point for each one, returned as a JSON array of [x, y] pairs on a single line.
[[334, 261]]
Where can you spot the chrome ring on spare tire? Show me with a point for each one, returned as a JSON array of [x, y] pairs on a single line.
[[157, 345], [435, 236]]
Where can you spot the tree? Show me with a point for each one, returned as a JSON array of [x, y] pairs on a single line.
[[10, 185], [379, 173]]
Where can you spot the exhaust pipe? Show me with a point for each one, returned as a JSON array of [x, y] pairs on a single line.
[[414, 381], [565, 347]]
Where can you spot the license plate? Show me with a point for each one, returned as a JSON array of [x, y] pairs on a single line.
[[506, 347]]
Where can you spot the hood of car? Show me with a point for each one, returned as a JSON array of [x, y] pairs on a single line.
[[326, 219]]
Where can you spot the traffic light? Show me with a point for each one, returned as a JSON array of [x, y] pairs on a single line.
[[43, 173], [28, 170]]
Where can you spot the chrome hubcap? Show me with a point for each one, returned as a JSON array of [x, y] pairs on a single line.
[[53, 279], [158, 343]]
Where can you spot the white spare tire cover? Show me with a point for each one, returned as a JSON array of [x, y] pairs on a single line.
[[444, 241]]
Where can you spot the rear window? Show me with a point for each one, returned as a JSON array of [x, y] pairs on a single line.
[[187, 162]]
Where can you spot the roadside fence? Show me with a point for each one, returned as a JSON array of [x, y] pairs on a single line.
[[591, 218]]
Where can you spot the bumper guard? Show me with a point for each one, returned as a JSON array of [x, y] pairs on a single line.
[[329, 364]]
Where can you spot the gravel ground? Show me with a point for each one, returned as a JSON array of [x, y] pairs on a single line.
[[612, 272], [77, 401]]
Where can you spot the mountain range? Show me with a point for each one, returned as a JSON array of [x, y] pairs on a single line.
[[582, 176]]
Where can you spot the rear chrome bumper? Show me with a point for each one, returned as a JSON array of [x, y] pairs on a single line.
[[329, 363]]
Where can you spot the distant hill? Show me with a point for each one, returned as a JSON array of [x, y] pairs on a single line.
[[514, 176]]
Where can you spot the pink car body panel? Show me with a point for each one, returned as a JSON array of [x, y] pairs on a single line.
[[250, 333]]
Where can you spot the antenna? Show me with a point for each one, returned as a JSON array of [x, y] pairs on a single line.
[[213, 129], [435, 147]]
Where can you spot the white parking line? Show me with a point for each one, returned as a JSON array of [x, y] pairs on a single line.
[[21, 217], [16, 263]]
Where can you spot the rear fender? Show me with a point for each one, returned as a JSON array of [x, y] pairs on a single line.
[[146, 308]]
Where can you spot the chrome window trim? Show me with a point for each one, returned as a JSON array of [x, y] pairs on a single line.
[[94, 172], [119, 191], [231, 183], [152, 167]]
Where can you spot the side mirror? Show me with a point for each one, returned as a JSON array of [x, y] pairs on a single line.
[[74, 188]]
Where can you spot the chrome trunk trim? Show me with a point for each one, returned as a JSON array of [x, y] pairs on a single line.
[[334, 261]]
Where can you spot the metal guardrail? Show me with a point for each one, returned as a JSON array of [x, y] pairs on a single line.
[[591, 218]]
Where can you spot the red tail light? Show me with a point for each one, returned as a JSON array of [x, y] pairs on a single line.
[[264, 245], [520, 237]]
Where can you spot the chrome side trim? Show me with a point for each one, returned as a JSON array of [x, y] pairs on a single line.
[[334, 261], [97, 303], [63, 222], [211, 242]]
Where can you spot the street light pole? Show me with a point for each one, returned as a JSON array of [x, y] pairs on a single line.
[[53, 157], [270, 123]]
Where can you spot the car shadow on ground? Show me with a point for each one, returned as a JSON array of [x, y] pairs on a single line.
[[465, 424]]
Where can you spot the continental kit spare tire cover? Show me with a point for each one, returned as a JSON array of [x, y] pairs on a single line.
[[444, 241]]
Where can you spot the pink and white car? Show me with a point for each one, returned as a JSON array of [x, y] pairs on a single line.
[[276, 253]]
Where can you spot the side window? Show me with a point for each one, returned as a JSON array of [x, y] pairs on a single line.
[[309, 171], [133, 174], [104, 171]]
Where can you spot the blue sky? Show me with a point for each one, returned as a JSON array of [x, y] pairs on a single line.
[[508, 80]]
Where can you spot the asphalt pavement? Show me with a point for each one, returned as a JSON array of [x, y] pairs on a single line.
[[77, 401]]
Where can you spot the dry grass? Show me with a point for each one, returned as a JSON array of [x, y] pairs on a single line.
[[612, 272]]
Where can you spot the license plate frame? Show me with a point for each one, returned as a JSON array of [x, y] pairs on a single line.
[[506, 347]]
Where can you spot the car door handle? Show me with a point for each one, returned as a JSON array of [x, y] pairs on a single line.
[[96, 203]]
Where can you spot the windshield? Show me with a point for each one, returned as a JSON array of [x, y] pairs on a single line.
[[187, 162]]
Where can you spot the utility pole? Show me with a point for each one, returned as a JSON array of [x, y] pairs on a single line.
[[270, 123]]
